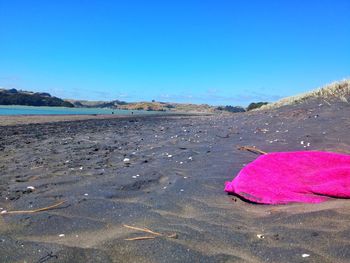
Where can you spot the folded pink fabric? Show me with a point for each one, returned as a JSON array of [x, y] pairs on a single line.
[[284, 177]]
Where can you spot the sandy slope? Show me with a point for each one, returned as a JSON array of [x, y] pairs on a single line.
[[82, 162]]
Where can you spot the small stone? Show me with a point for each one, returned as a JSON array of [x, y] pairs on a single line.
[[169, 155], [86, 194], [134, 176], [126, 160], [181, 190]]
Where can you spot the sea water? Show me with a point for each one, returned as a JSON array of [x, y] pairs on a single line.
[[32, 110]]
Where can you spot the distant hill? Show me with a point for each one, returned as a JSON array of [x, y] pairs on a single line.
[[158, 106], [147, 106], [96, 104], [339, 90], [19, 97], [15, 97]]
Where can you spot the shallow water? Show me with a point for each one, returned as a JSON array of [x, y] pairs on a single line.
[[32, 110]]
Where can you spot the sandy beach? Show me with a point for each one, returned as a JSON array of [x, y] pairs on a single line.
[[165, 173]]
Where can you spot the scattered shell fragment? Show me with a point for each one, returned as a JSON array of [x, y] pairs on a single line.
[[61, 235], [260, 236], [305, 255], [31, 187]]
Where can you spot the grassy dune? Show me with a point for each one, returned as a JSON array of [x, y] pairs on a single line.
[[339, 90]]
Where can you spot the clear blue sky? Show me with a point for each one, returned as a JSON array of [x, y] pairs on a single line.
[[216, 52]]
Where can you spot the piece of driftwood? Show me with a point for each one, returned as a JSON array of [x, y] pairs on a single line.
[[252, 149], [33, 211], [146, 230], [139, 238]]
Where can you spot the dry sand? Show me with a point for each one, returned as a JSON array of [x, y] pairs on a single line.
[[173, 184]]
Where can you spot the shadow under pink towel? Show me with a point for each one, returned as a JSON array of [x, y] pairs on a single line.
[[284, 177]]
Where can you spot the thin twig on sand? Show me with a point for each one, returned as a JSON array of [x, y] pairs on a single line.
[[139, 238], [33, 211], [252, 149], [143, 230], [146, 230]]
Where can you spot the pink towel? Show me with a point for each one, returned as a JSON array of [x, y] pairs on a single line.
[[283, 177]]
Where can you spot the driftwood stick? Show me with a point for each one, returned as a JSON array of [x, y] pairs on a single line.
[[251, 149], [33, 211], [143, 230], [139, 238], [147, 231]]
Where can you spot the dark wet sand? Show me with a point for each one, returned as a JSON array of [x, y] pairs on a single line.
[[82, 162]]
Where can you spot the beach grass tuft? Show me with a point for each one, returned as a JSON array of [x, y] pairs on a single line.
[[336, 90]]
